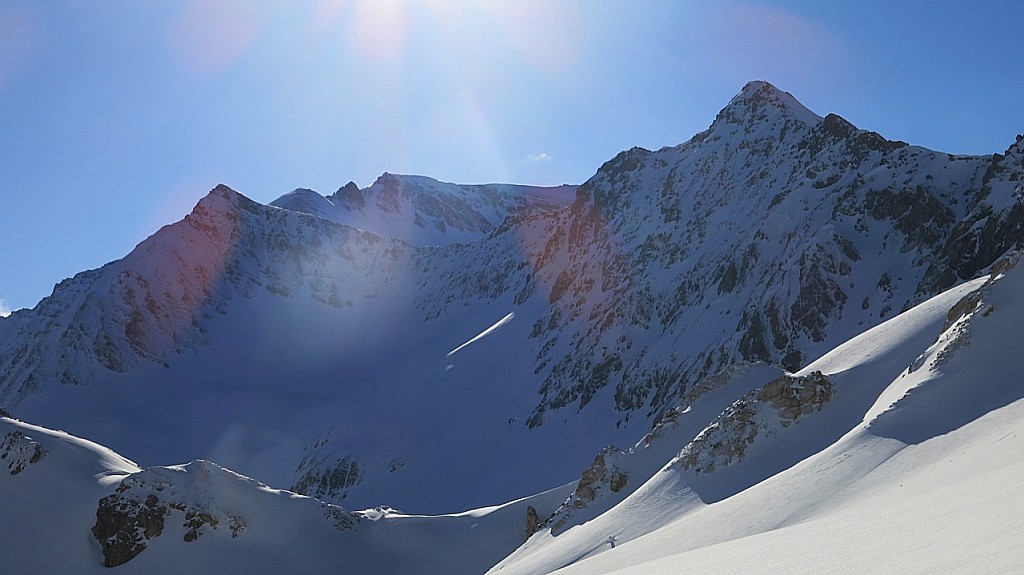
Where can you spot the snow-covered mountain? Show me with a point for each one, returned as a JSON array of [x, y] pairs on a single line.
[[901, 456], [905, 463], [72, 506], [436, 347], [424, 211]]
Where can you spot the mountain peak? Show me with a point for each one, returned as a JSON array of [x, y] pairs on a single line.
[[221, 200], [221, 193], [217, 198], [761, 91], [349, 197], [761, 86], [759, 102], [754, 86], [223, 189], [387, 180]]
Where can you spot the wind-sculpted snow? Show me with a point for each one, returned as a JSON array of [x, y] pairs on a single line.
[[963, 375]]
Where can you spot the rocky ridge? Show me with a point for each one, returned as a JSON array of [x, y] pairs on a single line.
[[198, 496], [424, 211], [102, 511], [775, 234]]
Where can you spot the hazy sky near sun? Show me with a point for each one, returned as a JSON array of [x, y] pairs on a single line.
[[117, 116]]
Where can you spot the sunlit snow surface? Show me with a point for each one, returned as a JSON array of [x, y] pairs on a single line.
[[923, 482]]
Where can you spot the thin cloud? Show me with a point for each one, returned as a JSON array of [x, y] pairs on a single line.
[[541, 157], [4, 310]]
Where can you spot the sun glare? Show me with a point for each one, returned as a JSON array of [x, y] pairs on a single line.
[[379, 29], [211, 35], [544, 35]]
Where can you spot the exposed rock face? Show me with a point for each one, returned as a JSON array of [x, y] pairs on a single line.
[[533, 521], [327, 480], [125, 524], [19, 451], [764, 231], [793, 397], [994, 225], [615, 474], [762, 412], [196, 496], [136, 513], [602, 474]]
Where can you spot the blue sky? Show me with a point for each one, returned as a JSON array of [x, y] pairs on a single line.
[[116, 116]]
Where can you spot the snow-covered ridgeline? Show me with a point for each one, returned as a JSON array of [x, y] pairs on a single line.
[[92, 509], [424, 211]]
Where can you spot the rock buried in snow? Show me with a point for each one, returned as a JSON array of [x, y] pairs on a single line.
[[20, 451], [778, 404]]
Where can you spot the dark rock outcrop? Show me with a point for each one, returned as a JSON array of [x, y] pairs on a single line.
[[322, 479], [19, 451], [533, 522], [602, 474], [125, 524], [762, 412]]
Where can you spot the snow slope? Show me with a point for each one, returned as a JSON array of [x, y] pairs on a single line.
[[915, 475], [73, 506], [949, 505], [49, 505]]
